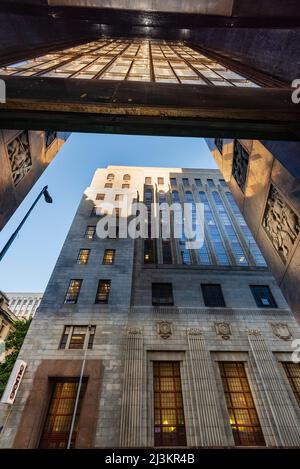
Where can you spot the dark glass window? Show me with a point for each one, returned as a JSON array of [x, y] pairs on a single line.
[[100, 196], [160, 181], [185, 181], [162, 294], [263, 296], [148, 180], [73, 291], [103, 291], [90, 232], [83, 256], [149, 257], [243, 416], [169, 425], [60, 412], [293, 373], [173, 181], [166, 251], [109, 256], [198, 182], [210, 183], [223, 183], [175, 197], [212, 295]]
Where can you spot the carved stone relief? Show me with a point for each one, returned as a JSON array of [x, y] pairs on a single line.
[[164, 329], [194, 331], [281, 331], [50, 136], [19, 157], [281, 224], [134, 330], [223, 329], [240, 164]]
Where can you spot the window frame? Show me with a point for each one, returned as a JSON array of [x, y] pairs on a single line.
[[113, 256], [170, 297], [79, 254], [66, 337], [75, 301], [204, 290], [258, 299], [107, 294]]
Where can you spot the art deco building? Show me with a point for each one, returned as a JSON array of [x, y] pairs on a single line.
[[180, 347], [24, 305], [24, 155]]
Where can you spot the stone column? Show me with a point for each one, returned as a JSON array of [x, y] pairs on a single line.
[[210, 431], [274, 388], [131, 413]]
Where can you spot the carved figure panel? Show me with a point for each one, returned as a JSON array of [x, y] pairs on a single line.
[[240, 164], [223, 329], [164, 329], [19, 157], [281, 331], [281, 224]]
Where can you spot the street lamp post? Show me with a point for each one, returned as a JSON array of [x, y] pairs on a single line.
[[48, 199]]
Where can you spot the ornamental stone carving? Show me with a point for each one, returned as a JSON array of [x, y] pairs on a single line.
[[19, 157], [164, 329], [223, 329], [254, 332], [240, 164], [134, 330], [281, 331], [219, 144], [281, 224], [194, 331]]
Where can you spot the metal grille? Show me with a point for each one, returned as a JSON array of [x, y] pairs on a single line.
[[243, 417], [293, 373], [169, 426], [132, 60]]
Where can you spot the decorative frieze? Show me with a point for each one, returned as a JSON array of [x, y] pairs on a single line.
[[240, 164], [19, 157], [281, 224]]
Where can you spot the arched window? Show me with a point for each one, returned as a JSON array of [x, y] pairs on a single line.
[[110, 177], [126, 177], [175, 196]]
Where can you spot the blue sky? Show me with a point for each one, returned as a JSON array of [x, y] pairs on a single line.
[[29, 262]]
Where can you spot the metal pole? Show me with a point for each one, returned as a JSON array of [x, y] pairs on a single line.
[[14, 235], [77, 396]]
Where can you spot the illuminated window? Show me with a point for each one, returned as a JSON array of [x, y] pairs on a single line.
[[149, 255], [73, 291], [126, 177], [58, 422], [90, 232], [263, 296], [162, 294], [100, 196], [212, 295], [83, 256], [148, 180], [160, 181], [169, 425], [109, 256], [103, 291], [243, 417], [293, 373], [108, 185], [77, 337]]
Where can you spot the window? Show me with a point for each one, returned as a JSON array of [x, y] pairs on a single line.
[[293, 373], [149, 257], [110, 177], [210, 183], [83, 256], [90, 232], [108, 185], [126, 177], [198, 182], [148, 181], [223, 183], [73, 291], [77, 337], [169, 426], [162, 294], [60, 412], [160, 181], [166, 251], [103, 291], [212, 295], [109, 256], [185, 182], [243, 417], [100, 196], [175, 197], [263, 296], [173, 182], [125, 186], [119, 197], [95, 212]]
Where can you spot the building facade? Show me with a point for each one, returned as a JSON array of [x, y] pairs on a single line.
[[24, 305], [182, 347], [264, 178], [7, 320], [24, 155]]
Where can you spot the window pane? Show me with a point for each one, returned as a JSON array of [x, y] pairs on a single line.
[[103, 291]]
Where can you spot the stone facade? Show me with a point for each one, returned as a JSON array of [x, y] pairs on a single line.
[[24, 305], [132, 334]]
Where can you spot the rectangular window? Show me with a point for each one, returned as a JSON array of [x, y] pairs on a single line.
[[210, 183], [149, 253], [160, 181], [90, 232], [222, 182], [173, 182], [148, 181], [73, 291], [166, 251], [109, 256], [243, 416], [198, 182], [293, 373], [60, 412], [162, 294], [185, 182], [100, 196], [169, 425], [103, 291], [119, 197], [83, 256], [212, 295], [95, 212], [125, 186], [263, 296], [108, 185], [77, 337]]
